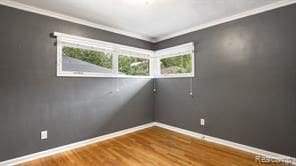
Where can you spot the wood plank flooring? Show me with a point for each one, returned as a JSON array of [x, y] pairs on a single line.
[[149, 147]]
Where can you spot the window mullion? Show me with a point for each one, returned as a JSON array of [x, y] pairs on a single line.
[[115, 62]]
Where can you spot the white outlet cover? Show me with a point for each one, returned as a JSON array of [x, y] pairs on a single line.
[[202, 122], [44, 134]]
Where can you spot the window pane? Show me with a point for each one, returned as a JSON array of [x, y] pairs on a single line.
[[82, 60], [133, 66], [176, 65]]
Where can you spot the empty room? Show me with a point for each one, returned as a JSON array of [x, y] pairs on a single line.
[[148, 82]]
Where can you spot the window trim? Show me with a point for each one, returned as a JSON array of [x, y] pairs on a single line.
[[114, 49], [179, 50], [118, 49], [148, 58]]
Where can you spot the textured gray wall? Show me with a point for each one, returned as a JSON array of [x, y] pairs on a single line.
[[245, 86], [32, 98]]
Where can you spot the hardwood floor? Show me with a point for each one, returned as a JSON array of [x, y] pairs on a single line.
[[152, 146]]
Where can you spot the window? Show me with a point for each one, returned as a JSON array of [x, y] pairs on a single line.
[[82, 57], [129, 65], [176, 61], [176, 65], [83, 60]]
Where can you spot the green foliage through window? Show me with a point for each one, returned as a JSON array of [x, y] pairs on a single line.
[[176, 65], [84, 60], [94, 57], [133, 65]]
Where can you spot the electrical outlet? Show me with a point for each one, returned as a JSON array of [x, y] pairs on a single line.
[[202, 122], [44, 134]]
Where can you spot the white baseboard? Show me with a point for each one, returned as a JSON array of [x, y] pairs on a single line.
[[64, 148], [234, 145]]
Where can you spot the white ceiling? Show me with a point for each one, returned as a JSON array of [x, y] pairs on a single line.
[[151, 19]]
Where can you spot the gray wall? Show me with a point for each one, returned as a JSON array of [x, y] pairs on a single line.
[[32, 98], [245, 86]]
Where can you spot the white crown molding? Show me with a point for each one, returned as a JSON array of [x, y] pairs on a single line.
[[71, 19], [68, 147], [146, 38], [228, 19]]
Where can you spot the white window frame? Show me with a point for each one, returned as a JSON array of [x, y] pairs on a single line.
[[137, 56], [118, 49], [179, 50], [91, 44]]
